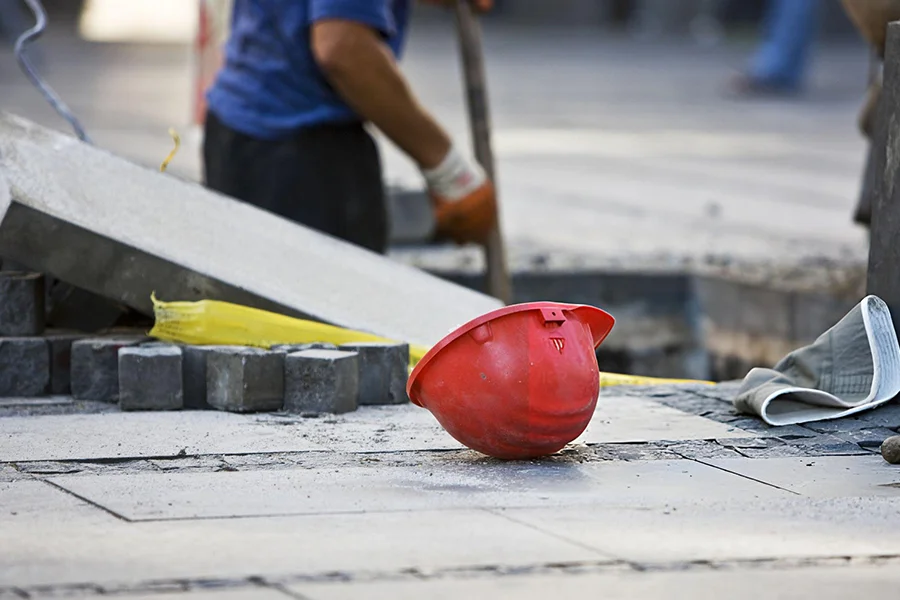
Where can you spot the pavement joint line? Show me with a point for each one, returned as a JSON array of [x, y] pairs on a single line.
[[453, 573], [502, 514], [88, 501], [746, 476]]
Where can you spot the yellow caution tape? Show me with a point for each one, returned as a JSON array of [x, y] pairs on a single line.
[[216, 323], [614, 379]]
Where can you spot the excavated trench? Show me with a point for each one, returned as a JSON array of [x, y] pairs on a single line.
[[714, 322]]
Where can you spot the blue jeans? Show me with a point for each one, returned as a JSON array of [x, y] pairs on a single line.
[[783, 56]]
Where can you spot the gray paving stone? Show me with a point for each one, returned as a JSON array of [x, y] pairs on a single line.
[[24, 367], [244, 379], [383, 371], [886, 416], [821, 477], [480, 484], [868, 439], [128, 435], [397, 428], [95, 367], [630, 419], [21, 304], [60, 343], [281, 546], [150, 378], [739, 584], [321, 381], [678, 531]]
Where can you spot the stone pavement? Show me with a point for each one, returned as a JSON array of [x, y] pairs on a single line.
[[668, 494]]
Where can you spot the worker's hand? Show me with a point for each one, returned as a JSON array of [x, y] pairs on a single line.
[[464, 200], [481, 6]]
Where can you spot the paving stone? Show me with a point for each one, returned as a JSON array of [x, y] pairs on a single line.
[[244, 379], [321, 381], [735, 584], [630, 419], [822, 445], [886, 416], [760, 427], [868, 439], [383, 371], [112, 210], [280, 546], [399, 428], [193, 364], [150, 378], [21, 304], [821, 476], [61, 359], [130, 435], [348, 488], [24, 367], [95, 367]]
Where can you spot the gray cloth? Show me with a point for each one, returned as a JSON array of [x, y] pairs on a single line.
[[852, 367]]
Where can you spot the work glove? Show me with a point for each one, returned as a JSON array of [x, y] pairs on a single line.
[[464, 199]]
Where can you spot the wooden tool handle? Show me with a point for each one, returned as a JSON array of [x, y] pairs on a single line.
[[498, 280]]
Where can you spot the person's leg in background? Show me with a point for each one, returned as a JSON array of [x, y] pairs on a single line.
[[781, 61]]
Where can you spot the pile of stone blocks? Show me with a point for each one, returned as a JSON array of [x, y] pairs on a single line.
[[127, 368]]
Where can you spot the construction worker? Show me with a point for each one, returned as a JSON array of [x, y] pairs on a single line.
[[285, 127]]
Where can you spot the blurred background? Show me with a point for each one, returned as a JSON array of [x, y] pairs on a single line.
[[620, 130]]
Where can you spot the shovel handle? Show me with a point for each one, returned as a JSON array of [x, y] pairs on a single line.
[[498, 280]]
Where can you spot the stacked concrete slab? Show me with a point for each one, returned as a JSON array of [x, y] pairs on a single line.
[[122, 231]]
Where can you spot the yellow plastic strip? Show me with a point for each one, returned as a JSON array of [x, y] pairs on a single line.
[[211, 322], [177, 139], [614, 379]]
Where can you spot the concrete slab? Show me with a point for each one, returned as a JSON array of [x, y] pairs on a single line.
[[378, 429], [121, 435], [272, 547], [348, 489], [39, 504], [746, 584], [102, 223], [630, 419], [742, 530], [821, 477]]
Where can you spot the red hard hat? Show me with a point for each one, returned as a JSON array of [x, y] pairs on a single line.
[[519, 382]]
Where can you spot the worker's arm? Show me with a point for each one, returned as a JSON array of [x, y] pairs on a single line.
[[362, 69]]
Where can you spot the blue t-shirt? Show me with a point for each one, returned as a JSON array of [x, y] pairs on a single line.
[[270, 86]]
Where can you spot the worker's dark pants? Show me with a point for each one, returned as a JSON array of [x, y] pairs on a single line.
[[326, 177]]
